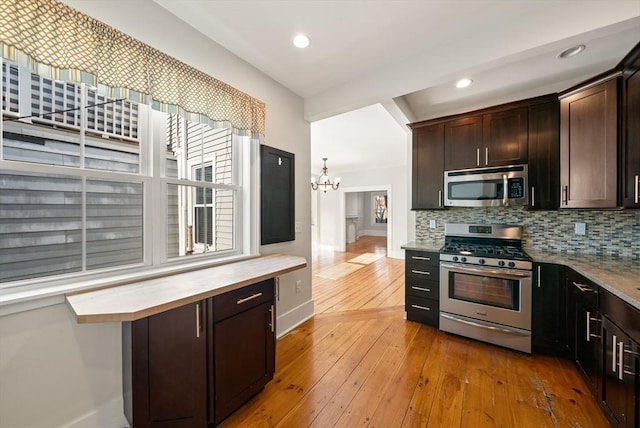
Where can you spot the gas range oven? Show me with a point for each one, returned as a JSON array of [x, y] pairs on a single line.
[[485, 284]]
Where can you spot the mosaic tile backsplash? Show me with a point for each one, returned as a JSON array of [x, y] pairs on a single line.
[[611, 233]]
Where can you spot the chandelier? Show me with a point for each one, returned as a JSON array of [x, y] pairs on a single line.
[[323, 181]]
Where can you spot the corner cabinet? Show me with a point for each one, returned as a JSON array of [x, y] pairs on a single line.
[[427, 168], [196, 364], [588, 147], [422, 287]]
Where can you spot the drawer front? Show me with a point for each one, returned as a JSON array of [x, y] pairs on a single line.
[[426, 272], [234, 302], [425, 289], [422, 257], [584, 289], [424, 311]]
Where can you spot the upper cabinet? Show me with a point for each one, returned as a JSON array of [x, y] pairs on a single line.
[[588, 147], [463, 139], [544, 156], [630, 182], [505, 137], [427, 168]]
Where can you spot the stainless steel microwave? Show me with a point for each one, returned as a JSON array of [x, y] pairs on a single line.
[[487, 187]]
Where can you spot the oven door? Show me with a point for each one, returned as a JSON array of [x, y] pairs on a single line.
[[495, 295]]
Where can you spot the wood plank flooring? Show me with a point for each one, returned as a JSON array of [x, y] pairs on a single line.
[[359, 363]]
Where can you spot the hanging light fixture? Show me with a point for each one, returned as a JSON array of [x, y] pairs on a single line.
[[323, 181]]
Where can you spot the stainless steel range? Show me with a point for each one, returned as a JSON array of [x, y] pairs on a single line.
[[485, 284]]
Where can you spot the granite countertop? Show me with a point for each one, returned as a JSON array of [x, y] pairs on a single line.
[[619, 276]]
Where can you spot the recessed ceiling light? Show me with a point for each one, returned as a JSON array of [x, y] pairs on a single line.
[[572, 51], [301, 41], [463, 83]]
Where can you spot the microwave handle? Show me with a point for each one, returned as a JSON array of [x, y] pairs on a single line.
[[505, 190]]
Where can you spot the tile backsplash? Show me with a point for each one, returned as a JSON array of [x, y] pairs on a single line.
[[612, 233]]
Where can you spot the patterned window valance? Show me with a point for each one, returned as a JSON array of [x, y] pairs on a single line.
[[59, 36]]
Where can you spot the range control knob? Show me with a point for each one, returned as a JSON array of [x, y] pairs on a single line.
[[455, 258], [463, 259], [500, 263], [512, 264], [481, 261]]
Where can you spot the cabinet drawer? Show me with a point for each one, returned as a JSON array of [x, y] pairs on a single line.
[[233, 302], [422, 257], [422, 288], [424, 311], [421, 271], [584, 289]]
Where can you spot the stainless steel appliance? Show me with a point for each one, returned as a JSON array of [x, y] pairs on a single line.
[[487, 187], [485, 285]]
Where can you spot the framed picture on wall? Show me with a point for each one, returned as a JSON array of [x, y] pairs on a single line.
[[277, 195]]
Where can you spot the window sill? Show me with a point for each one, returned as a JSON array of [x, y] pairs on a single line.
[[20, 299]]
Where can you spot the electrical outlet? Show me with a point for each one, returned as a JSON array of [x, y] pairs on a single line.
[[432, 224], [580, 228], [298, 286], [298, 227]]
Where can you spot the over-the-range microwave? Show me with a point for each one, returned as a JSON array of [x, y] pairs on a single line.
[[487, 187]]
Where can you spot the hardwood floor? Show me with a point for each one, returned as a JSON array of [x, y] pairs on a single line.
[[359, 363]]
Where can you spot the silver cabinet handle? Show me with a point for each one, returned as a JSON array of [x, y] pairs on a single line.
[[637, 188], [486, 156], [620, 359], [424, 308], [198, 326], [478, 156], [488, 327], [272, 319], [413, 287], [613, 351], [589, 327], [421, 272], [533, 196], [539, 280], [584, 288], [565, 194], [421, 258], [440, 198], [246, 299], [505, 190]]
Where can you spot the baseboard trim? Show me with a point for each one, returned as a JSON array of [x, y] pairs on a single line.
[[290, 320], [107, 415]]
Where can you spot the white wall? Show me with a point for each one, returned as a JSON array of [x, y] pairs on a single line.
[[55, 373], [329, 219]]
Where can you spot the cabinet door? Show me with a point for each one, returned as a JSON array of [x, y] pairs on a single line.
[[620, 361], [548, 311], [169, 369], [427, 173], [588, 148], [588, 344], [277, 195], [505, 137], [244, 357], [544, 156], [631, 140], [463, 138]]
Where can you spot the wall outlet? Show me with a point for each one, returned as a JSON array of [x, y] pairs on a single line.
[[298, 286], [432, 224], [298, 227], [581, 228]]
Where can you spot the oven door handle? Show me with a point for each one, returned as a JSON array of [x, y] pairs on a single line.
[[486, 272], [488, 327]]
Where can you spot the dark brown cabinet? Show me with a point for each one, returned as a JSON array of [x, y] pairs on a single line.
[[422, 286], [243, 328], [548, 314], [196, 364], [505, 137], [168, 369], [463, 139], [427, 172], [631, 137], [544, 156], [588, 147]]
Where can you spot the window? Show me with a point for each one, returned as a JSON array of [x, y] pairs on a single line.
[[93, 184]]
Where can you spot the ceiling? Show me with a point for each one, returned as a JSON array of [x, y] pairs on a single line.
[[405, 55]]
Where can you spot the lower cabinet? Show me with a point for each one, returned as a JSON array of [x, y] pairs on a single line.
[[548, 324], [196, 364], [422, 286]]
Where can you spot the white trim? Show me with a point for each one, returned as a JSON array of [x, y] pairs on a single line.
[[296, 316], [342, 231]]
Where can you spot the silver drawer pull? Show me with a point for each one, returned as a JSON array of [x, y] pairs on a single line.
[[421, 258], [421, 272], [246, 299], [424, 308], [420, 288], [584, 288]]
